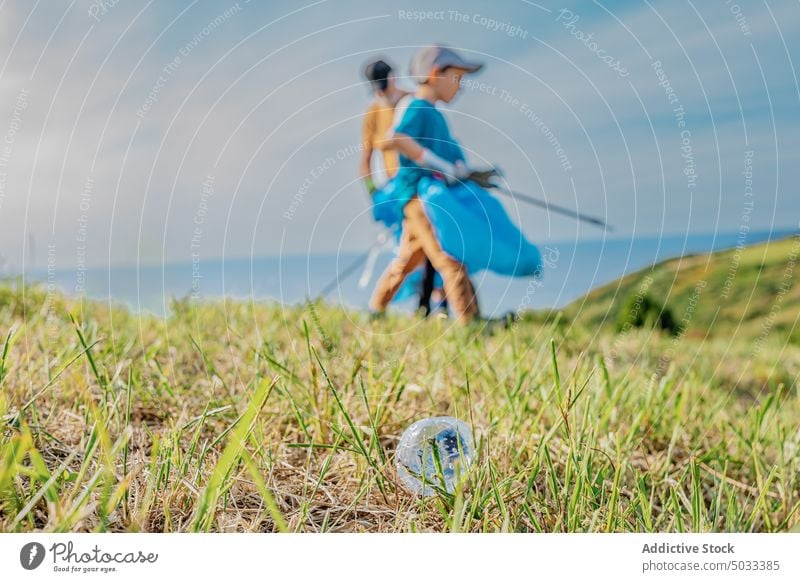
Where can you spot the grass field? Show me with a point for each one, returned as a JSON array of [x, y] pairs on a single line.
[[236, 416]]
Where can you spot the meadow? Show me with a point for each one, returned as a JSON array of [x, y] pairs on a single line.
[[242, 416]]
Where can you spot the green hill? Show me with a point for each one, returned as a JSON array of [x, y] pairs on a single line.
[[750, 292]]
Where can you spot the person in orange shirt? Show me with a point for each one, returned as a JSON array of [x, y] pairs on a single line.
[[378, 123]]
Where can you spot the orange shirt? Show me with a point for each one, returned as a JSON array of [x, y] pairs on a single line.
[[377, 123]]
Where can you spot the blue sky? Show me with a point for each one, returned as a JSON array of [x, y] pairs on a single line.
[[116, 114]]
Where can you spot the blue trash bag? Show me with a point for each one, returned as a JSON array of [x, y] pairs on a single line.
[[386, 207], [473, 227]]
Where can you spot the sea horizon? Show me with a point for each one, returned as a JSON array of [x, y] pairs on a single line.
[[572, 269]]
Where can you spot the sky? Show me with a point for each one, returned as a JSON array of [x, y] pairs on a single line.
[[136, 132]]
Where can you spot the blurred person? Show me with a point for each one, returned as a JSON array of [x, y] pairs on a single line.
[[378, 121], [446, 214]]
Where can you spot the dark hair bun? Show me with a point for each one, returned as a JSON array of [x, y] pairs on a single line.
[[377, 73]]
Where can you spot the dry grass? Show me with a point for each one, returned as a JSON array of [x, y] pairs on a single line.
[[242, 417]]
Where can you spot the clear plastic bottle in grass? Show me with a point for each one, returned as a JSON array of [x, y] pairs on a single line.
[[434, 453]]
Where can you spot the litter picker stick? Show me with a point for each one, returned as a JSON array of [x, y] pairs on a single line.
[[549, 206]]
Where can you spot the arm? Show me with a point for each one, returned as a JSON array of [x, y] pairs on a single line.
[[366, 160], [424, 157], [365, 165], [404, 144]]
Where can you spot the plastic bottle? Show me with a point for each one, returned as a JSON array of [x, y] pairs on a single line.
[[416, 458]]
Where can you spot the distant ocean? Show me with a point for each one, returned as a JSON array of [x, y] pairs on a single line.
[[572, 269]]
